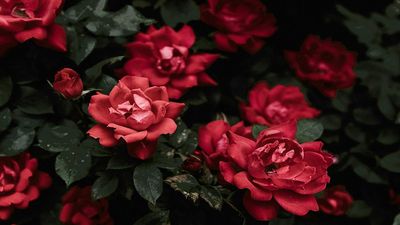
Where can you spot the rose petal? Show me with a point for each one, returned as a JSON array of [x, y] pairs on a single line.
[[260, 210], [104, 134], [296, 203]]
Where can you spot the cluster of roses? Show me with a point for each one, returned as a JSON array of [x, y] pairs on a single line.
[[276, 170]]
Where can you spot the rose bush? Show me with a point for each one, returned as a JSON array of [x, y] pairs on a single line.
[[135, 113], [324, 64], [277, 171], [22, 20], [20, 183], [163, 56], [239, 23], [277, 105]]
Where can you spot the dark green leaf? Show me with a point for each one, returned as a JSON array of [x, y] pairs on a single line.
[[391, 162], [366, 172], [120, 162], [389, 136], [256, 129], [16, 140], [34, 102], [174, 12], [154, 218], [104, 186], [96, 71], [105, 84], [397, 220], [366, 116], [59, 137], [359, 209], [308, 130], [356, 133], [6, 87], [25, 120], [342, 101], [124, 22], [80, 44], [73, 165], [331, 122], [185, 184], [148, 182], [5, 119], [85, 9], [212, 196], [282, 221], [386, 106]]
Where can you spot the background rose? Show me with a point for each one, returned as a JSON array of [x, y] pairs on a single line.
[[164, 57], [134, 112], [22, 20], [78, 208], [68, 83], [277, 105], [20, 183], [214, 141], [276, 171], [335, 201], [325, 64], [243, 23]]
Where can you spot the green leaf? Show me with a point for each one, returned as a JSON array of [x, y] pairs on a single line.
[[73, 165], [355, 132], [396, 220], [154, 218], [5, 119], [104, 186], [366, 172], [106, 84], [366, 116], [308, 130], [331, 122], [148, 182], [34, 102], [174, 12], [80, 44], [25, 120], [389, 135], [212, 196], [386, 106], [6, 87], [16, 140], [185, 184], [391, 162], [120, 162], [282, 221], [96, 71], [342, 101], [359, 209], [59, 137], [124, 22], [85, 9], [256, 129]]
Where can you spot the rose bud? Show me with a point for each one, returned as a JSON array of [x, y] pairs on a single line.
[[193, 163], [68, 83], [335, 201]]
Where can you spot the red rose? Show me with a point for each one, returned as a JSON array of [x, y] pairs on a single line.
[[22, 20], [325, 64], [164, 57], [21, 182], [277, 105], [277, 171], [240, 23], [336, 201], [134, 112], [194, 162], [68, 83], [214, 141], [78, 208]]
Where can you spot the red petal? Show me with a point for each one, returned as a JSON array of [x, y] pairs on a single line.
[[104, 134], [260, 210], [166, 126], [296, 203], [241, 181], [187, 36], [227, 171], [200, 62], [135, 137], [5, 212], [142, 150], [174, 110], [37, 33], [157, 93], [135, 82], [223, 43], [239, 149], [99, 108], [56, 38]]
